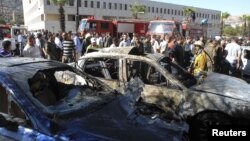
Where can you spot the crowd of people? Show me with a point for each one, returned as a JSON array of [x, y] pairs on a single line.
[[197, 55]]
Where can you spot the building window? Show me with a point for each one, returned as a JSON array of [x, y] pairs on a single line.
[[148, 9], [165, 11], [42, 17], [172, 12], [115, 6], [168, 11], [126, 7], [48, 2], [175, 12], [182, 13], [71, 18], [120, 6], [179, 12], [85, 3], [79, 2], [110, 5], [104, 5], [161, 10], [92, 4], [98, 4], [153, 9], [71, 2], [156, 10]]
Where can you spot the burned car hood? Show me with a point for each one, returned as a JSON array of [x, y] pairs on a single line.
[[224, 85], [121, 120]]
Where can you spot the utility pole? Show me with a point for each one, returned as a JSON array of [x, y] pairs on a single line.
[[77, 15]]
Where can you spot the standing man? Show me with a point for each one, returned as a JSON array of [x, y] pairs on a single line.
[[125, 42], [31, 50], [20, 41], [78, 46], [211, 53], [68, 49], [200, 61], [233, 56]]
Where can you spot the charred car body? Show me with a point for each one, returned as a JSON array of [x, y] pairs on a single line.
[[58, 100], [219, 99]]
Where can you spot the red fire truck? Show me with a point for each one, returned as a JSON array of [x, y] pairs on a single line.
[[116, 27], [8, 32], [175, 28]]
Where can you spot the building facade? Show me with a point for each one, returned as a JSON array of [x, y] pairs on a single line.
[[11, 11], [42, 14]]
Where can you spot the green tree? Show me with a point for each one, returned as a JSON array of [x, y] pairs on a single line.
[[224, 15], [61, 3], [136, 8], [248, 24], [2, 21], [244, 19], [188, 11]]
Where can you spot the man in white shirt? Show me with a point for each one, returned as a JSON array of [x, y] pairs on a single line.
[[31, 50], [125, 42], [233, 56], [155, 44]]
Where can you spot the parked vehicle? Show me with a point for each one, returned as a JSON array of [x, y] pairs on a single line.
[[59, 101], [176, 28], [9, 32], [116, 27], [219, 99]]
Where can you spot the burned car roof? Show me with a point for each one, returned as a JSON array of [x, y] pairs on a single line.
[[123, 50]]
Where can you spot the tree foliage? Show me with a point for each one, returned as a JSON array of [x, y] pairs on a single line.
[[61, 3], [136, 8], [188, 11], [224, 15], [2, 21]]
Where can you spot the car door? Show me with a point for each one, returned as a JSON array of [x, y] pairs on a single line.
[[9, 108], [158, 89], [106, 70]]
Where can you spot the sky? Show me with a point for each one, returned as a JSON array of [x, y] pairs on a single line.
[[234, 7]]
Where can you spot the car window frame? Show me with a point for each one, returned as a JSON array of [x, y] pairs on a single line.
[[162, 71], [119, 60]]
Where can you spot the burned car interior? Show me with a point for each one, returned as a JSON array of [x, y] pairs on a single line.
[[63, 91], [102, 67], [150, 75]]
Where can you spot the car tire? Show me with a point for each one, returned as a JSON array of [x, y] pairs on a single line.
[[199, 126]]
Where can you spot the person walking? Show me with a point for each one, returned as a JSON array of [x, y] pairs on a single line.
[[233, 56]]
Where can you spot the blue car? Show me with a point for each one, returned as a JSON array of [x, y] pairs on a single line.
[[59, 101]]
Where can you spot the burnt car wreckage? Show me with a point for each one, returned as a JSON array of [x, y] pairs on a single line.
[[59, 101], [219, 99]]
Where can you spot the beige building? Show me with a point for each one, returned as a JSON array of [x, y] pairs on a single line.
[[41, 14]]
